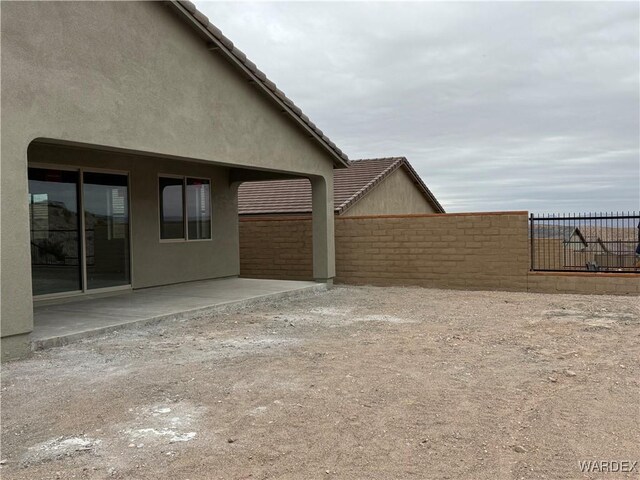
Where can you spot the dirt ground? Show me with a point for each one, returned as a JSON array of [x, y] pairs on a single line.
[[355, 383]]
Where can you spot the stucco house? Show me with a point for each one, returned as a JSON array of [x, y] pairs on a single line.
[[374, 186], [127, 128]]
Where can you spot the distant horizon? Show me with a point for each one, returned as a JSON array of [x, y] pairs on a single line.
[[498, 106]]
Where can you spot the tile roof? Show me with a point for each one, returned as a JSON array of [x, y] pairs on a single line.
[[218, 42], [349, 186]]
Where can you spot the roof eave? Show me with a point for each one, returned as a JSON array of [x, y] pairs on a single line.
[[340, 160]]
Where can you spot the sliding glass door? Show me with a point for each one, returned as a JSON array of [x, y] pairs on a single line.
[[55, 231], [106, 229], [79, 230]]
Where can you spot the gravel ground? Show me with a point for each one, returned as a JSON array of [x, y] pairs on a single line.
[[367, 383]]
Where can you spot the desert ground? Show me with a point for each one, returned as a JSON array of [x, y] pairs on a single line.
[[354, 383]]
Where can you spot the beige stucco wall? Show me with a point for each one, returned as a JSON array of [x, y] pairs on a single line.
[[129, 75], [395, 195]]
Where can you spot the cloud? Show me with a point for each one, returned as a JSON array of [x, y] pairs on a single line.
[[532, 106]]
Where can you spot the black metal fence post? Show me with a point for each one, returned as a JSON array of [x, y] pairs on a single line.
[[531, 242]]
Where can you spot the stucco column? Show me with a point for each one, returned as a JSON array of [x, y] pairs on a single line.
[[16, 304], [324, 267]]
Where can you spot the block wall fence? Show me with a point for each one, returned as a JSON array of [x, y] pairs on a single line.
[[473, 251]]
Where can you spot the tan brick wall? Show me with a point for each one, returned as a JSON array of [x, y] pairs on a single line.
[[468, 251], [584, 283], [276, 248], [484, 251]]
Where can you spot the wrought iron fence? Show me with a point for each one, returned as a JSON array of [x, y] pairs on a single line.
[[603, 242]]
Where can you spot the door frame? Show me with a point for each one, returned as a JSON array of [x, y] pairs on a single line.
[[83, 240]]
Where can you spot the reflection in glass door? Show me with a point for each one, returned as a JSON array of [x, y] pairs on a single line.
[[106, 227], [74, 253], [55, 231]]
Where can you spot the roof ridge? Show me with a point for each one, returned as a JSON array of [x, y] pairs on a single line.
[[375, 159], [225, 45]]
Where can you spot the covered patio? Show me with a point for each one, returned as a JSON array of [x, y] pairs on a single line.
[[136, 188], [65, 321]]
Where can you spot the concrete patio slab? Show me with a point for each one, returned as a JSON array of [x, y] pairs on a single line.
[[67, 321]]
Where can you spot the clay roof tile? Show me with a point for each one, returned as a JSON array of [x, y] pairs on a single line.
[[350, 184]]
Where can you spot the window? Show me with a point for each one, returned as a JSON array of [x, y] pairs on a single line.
[[171, 208], [185, 208], [198, 209]]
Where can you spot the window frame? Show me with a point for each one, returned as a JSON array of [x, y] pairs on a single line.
[[185, 218]]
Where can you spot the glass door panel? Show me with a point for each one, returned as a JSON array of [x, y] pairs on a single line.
[[55, 231], [106, 224], [198, 209]]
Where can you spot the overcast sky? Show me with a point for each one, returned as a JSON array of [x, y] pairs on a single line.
[[518, 106]]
